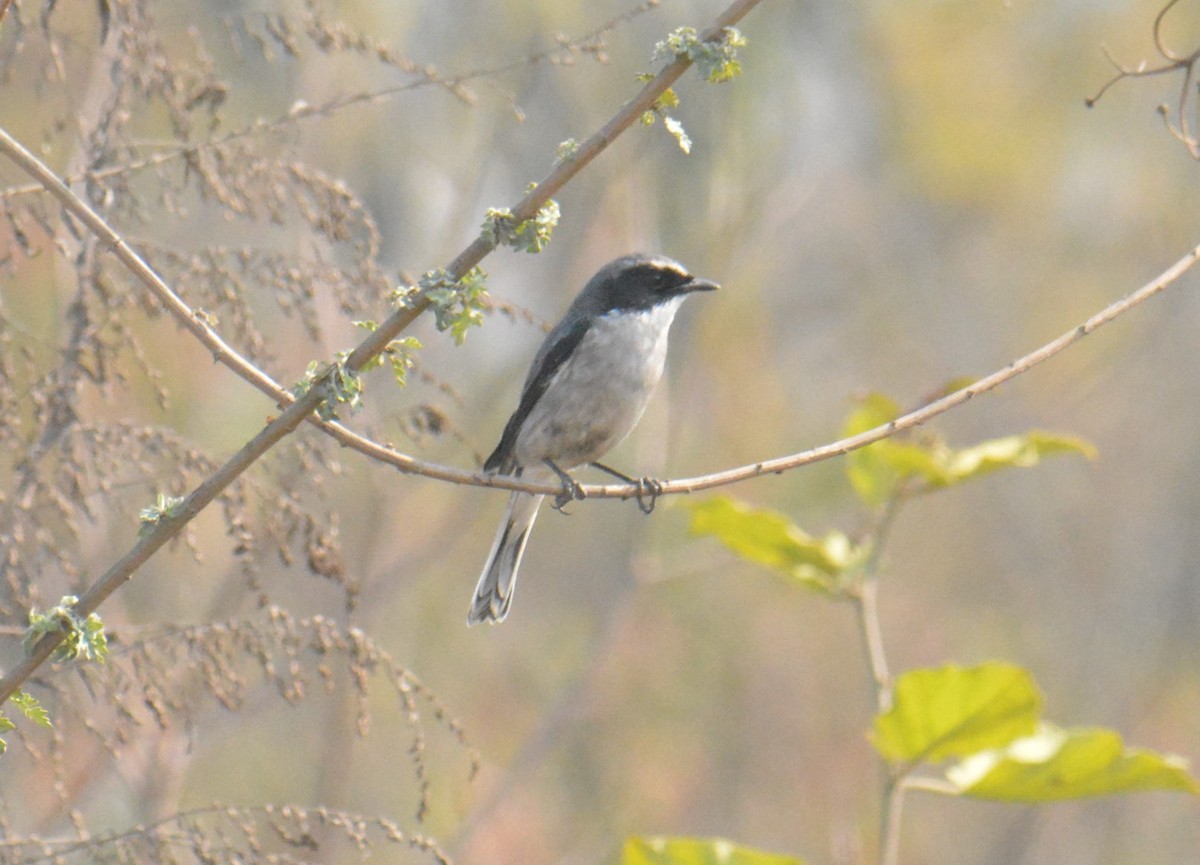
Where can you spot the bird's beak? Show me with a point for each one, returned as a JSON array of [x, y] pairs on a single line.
[[697, 284]]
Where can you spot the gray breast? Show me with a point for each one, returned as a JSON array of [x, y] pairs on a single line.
[[598, 395]]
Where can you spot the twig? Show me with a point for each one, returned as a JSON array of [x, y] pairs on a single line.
[[1175, 62], [302, 408], [866, 607], [889, 821], [582, 43]]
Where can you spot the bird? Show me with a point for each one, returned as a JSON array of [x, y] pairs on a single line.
[[585, 391]]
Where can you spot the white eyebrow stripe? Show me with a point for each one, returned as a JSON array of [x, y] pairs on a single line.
[[668, 264]]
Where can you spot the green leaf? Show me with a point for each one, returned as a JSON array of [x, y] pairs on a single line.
[[696, 851], [399, 353], [1015, 451], [770, 539], [954, 711], [668, 99], [32, 709], [877, 471], [1054, 764]]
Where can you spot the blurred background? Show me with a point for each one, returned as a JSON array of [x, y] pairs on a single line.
[[892, 195]]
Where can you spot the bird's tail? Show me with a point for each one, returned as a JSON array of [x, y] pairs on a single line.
[[494, 594]]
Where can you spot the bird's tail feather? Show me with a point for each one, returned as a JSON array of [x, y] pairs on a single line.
[[494, 593]]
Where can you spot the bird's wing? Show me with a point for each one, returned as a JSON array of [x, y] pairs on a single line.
[[550, 358]]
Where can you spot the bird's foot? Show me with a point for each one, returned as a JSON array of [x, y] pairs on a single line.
[[571, 491], [648, 491]]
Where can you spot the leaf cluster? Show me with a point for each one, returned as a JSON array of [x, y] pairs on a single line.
[[343, 385], [81, 636], [501, 228], [457, 304], [399, 354], [716, 59], [164, 509]]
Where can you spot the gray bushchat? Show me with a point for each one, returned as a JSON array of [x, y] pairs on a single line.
[[587, 388]]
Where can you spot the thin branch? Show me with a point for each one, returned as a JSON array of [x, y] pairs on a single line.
[[583, 43], [1142, 71], [866, 607], [1180, 130], [299, 410], [889, 819], [1159, 44], [866, 603], [865, 596]]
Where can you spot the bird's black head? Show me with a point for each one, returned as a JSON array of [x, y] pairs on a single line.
[[639, 282]]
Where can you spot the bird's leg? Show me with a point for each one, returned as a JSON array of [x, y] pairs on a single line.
[[572, 491], [648, 489]]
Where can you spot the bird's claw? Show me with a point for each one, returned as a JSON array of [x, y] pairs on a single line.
[[648, 491], [571, 492]]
